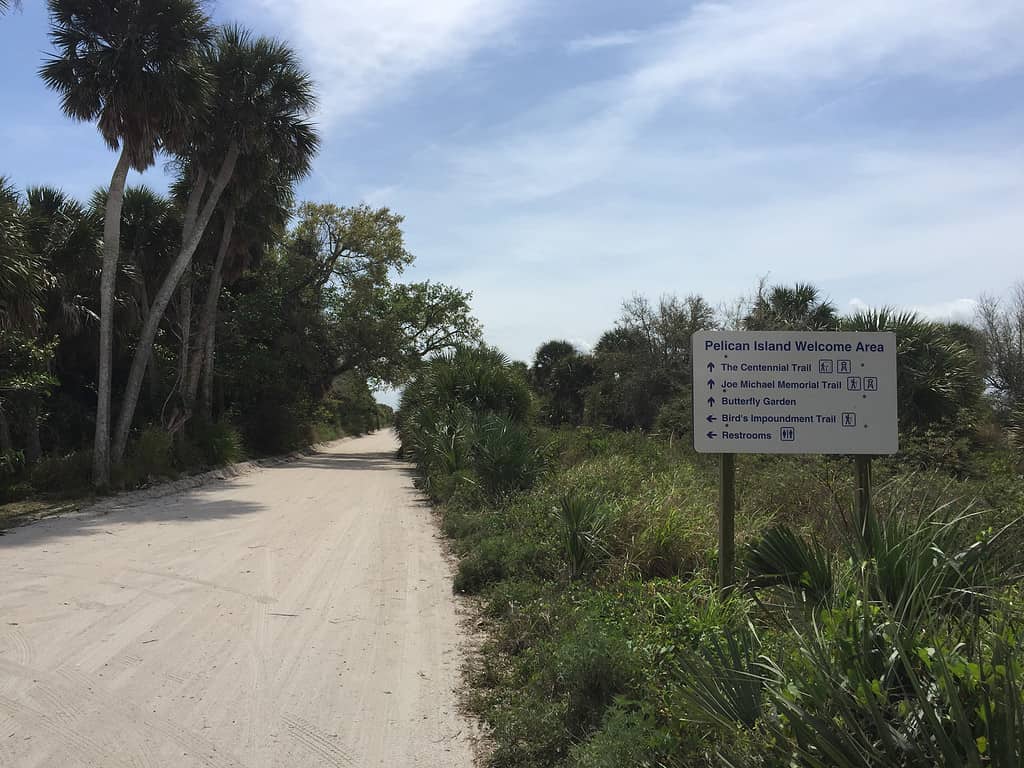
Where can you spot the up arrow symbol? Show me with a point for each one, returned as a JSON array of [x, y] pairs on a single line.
[[711, 383], [711, 367], [711, 402]]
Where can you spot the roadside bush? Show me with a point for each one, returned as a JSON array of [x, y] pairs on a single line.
[[913, 658], [150, 457], [593, 667], [219, 442], [675, 419], [635, 666], [68, 474], [505, 457], [629, 736], [494, 559], [463, 420]]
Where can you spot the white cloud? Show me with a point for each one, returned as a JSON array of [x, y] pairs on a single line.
[[362, 51], [907, 228], [620, 39], [722, 53], [744, 46], [954, 310]]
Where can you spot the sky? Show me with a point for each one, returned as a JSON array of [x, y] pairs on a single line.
[[555, 158]]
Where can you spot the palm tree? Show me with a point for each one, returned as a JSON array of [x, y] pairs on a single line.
[[6, 5], [261, 105], [799, 308], [255, 208], [20, 288], [19, 267], [134, 67], [149, 229], [65, 236], [938, 375]]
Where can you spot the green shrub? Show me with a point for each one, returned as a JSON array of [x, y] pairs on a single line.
[[505, 458], [582, 521], [495, 558], [486, 565], [219, 442], [150, 457], [592, 667], [629, 737], [70, 474]]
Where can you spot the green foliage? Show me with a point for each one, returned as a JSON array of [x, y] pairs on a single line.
[[797, 308], [151, 457], [937, 374], [675, 418], [218, 442], [582, 522], [505, 457], [780, 557], [843, 644], [462, 420], [629, 736], [644, 362], [67, 475], [133, 67], [561, 375], [19, 265]]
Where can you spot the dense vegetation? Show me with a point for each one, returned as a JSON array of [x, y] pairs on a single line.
[[144, 334], [594, 558]]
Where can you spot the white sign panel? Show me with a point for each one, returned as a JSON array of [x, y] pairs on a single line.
[[794, 392]]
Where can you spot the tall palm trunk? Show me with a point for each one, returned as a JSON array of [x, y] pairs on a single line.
[[108, 279], [185, 310], [207, 318], [151, 371], [144, 348], [185, 299]]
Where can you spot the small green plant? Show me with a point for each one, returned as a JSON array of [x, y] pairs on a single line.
[[505, 458], [582, 521], [219, 442], [782, 558], [151, 457]]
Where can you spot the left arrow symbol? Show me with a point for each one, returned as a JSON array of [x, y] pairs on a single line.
[[712, 435], [711, 418]]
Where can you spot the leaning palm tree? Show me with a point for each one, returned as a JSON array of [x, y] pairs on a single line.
[[255, 212], [134, 67], [262, 104]]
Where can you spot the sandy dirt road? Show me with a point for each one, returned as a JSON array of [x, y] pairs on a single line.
[[300, 615]]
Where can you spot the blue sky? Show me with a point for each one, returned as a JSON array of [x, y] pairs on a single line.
[[555, 158]]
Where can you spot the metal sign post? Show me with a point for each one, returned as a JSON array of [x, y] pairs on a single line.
[[863, 496], [792, 392], [727, 523]]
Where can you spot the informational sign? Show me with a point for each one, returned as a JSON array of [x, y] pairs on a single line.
[[794, 392]]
